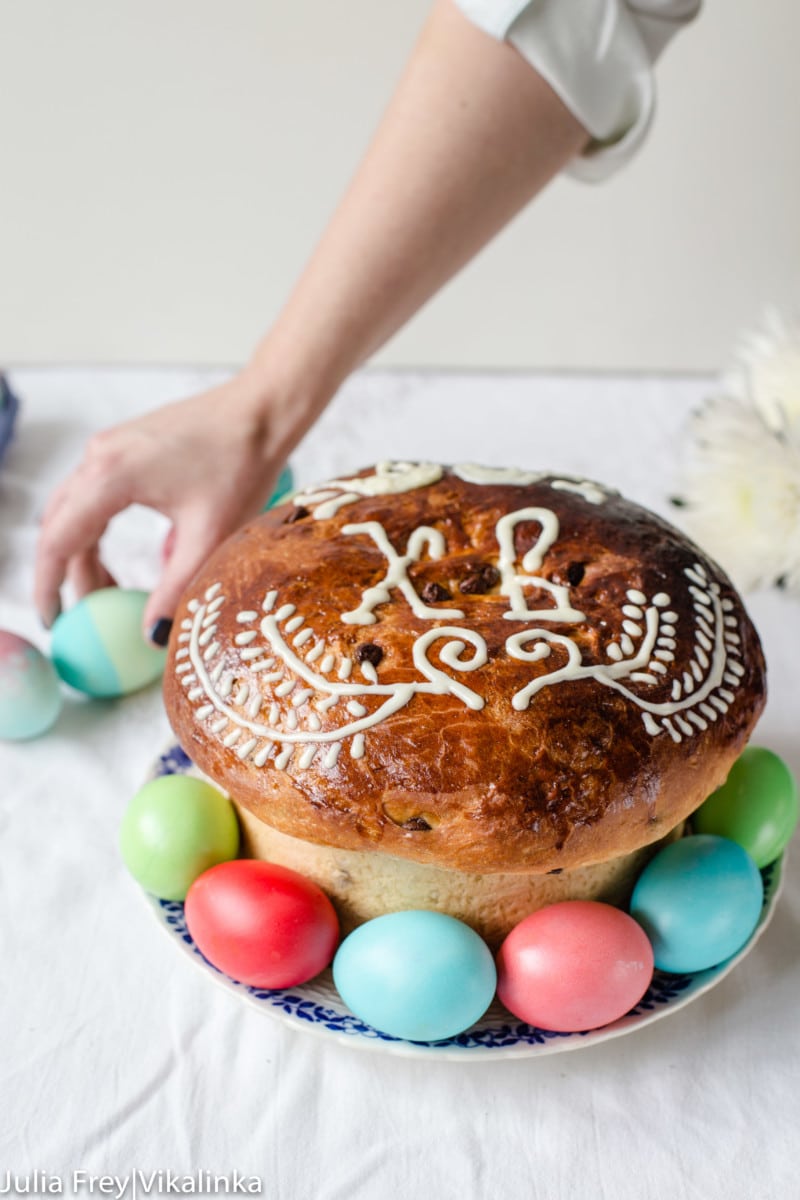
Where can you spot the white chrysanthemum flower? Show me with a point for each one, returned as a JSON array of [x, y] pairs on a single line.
[[742, 492], [766, 371]]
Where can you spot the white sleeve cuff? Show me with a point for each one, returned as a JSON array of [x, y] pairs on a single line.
[[598, 56]]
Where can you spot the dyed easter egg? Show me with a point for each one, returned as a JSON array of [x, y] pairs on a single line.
[[98, 646], [283, 488], [262, 924], [574, 966], [417, 975], [756, 806], [698, 901], [30, 692], [175, 828]]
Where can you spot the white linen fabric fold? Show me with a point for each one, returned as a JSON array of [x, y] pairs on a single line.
[[598, 56]]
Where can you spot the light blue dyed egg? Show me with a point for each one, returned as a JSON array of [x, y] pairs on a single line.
[[98, 646], [30, 692], [698, 901], [418, 975]]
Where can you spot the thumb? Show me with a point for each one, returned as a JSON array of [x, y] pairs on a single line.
[[191, 545]]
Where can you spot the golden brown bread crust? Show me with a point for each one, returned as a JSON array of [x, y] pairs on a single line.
[[492, 775]]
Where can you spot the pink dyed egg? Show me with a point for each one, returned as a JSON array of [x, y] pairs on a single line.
[[30, 693], [574, 966]]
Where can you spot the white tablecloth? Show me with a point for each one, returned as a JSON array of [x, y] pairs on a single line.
[[116, 1053]]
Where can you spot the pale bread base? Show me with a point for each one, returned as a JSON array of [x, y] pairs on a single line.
[[366, 884]]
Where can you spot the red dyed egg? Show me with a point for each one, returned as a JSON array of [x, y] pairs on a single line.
[[262, 924], [574, 966]]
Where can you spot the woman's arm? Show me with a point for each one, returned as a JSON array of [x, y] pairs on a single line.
[[470, 136]]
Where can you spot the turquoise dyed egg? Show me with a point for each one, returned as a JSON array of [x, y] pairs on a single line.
[[30, 692], [698, 901], [283, 488], [756, 806], [418, 975], [98, 646], [175, 828]]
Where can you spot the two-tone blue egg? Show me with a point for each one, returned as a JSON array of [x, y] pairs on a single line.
[[30, 692], [698, 901], [98, 646], [418, 975]]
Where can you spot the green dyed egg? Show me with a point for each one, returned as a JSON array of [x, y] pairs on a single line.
[[757, 805], [173, 830], [98, 646]]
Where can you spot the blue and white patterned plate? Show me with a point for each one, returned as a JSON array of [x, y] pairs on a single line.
[[316, 1007]]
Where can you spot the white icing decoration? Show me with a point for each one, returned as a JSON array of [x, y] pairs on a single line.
[[632, 628], [423, 538], [637, 597], [368, 671], [269, 600], [614, 651], [391, 696], [284, 612], [357, 746], [511, 476], [389, 478], [512, 584], [661, 600], [327, 664], [295, 623], [245, 638], [213, 590], [211, 651], [302, 637], [247, 617], [315, 652], [708, 698], [284, 756], [591, 492], [632, 610], [246, 748]]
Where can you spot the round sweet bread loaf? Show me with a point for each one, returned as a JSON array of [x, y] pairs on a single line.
[[488, 671]]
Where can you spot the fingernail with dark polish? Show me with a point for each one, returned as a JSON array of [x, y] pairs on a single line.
[[159, 634]]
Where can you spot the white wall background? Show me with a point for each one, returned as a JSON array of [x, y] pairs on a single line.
[[165, 168]]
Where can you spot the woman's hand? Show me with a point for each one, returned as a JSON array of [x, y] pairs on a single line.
[[208, 463]]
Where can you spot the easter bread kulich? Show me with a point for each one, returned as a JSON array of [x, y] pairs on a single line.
[[473, 689]]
